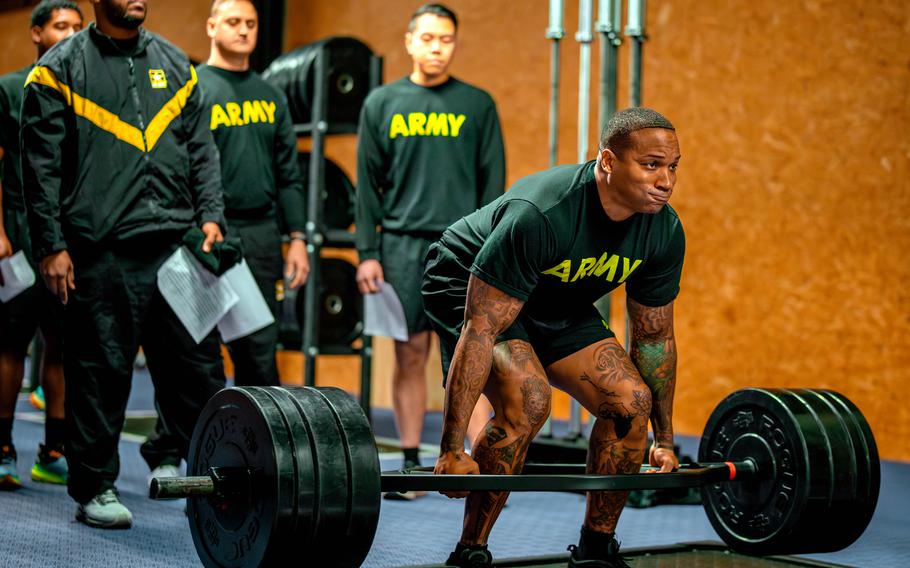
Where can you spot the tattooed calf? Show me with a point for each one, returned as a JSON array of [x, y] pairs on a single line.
[[503, 459]]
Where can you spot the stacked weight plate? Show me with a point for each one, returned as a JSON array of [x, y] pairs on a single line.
[[820, 472], [314, 493]]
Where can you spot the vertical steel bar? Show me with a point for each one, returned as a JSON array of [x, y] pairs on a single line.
[[314, 224], [554, 33], [609, 27], [584, 37], [366, 347], [635, 29]]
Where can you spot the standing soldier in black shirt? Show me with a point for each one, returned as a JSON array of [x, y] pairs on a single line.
[[35, 308], [118, 164], [263, 192], [430, 151]]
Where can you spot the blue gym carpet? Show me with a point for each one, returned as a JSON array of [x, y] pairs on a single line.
[[39, 530]]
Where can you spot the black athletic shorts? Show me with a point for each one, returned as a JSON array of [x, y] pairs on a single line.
[[445, 285], [402, 258], [34, 308]]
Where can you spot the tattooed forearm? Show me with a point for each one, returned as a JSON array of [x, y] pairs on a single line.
[[653, 350], [488, 312]]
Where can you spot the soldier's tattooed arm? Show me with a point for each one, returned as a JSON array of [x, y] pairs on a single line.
[[653, 350], [488, 312]]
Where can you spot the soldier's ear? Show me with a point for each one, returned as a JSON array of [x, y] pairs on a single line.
[[607, 160], [35, 33]]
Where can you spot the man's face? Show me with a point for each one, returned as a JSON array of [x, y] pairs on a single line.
[[432, 44], [63, 23], [644, 173], [126, 14], [234, 27]]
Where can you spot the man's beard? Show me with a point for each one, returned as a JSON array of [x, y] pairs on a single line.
[[120, 17]]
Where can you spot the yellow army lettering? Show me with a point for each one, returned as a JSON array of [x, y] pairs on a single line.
[[420, 124], [242, 113], [607, 263]]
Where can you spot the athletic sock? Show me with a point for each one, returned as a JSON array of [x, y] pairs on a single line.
[[6, 431], [411, 457]]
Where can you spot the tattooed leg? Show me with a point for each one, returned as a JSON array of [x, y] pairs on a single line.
[[604, 380], [520, 395], [608, 454]]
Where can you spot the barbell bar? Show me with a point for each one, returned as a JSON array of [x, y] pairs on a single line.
[[218, 482]]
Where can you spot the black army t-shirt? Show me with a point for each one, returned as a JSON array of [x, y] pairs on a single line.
[[549, 243], [252, 127]]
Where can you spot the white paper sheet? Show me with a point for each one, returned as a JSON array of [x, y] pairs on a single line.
[[18, 276], [199, 298], [251, 313], [383, 314]]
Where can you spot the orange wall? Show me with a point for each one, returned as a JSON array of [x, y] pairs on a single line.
[[793, 120], [793, 189]]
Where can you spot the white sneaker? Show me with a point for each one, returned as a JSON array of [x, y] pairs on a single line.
[[164, 470], [105, 511]]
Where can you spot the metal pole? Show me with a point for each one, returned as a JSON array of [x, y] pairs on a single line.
[[366, 348], [636, 31], [314, 224], [609, 26], [584, 37], [555, 32]]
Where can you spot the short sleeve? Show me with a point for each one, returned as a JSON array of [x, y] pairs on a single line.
[[520, 245], [658, 283]]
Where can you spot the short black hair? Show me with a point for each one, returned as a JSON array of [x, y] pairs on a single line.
[[45, 10], [615, 135], [435, 9]]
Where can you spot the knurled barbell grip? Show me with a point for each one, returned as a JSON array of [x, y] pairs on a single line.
[[180, 487], [226, 483]]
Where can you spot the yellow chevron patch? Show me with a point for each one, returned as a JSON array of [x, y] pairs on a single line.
[[110, 122]]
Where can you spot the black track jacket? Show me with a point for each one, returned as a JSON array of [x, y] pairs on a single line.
[[115, 143]]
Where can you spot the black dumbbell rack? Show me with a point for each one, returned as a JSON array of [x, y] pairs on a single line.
[[319, 236]]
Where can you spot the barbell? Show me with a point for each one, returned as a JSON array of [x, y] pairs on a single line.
[[275, 470]]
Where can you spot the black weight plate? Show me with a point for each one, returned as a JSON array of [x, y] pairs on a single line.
[[331, 476], [363, 474], [340, 314], [340, 303], [342, 516], [347, 79], [868, 480], [758, 516], [301, 519], [833, 469], [337, 194], [241, 428]]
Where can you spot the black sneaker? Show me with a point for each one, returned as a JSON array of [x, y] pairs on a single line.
[[464, 557], [614, 560]]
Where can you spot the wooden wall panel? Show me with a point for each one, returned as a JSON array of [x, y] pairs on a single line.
[[793, 189], [794, 194]]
